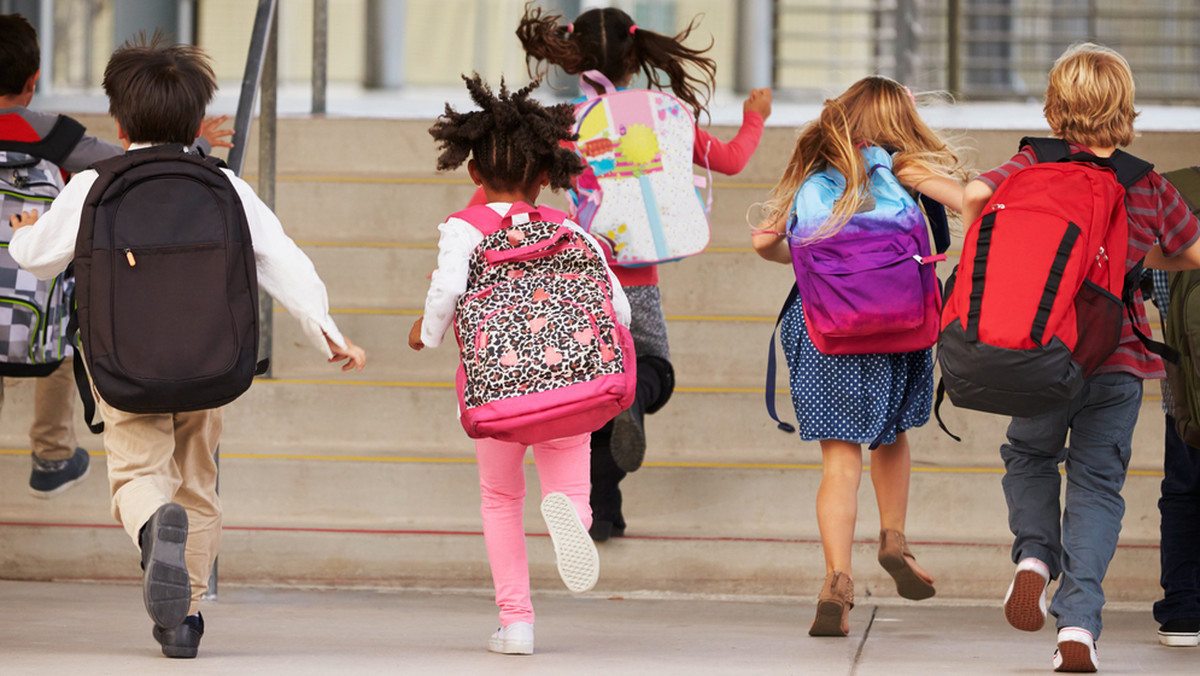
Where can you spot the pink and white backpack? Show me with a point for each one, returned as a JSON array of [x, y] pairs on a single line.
[[543, 355]]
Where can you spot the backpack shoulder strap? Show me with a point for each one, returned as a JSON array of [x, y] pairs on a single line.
[[482, 217], [1047, 149], [55, 146], [1129, 168]]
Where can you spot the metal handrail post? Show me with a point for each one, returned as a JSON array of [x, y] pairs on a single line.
[[263, 20], [260, 66], [320, 58]]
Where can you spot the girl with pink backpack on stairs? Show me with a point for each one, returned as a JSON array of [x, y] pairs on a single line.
[[514, 148]]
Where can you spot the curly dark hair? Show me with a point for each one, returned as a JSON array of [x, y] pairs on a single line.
[[513, 139], [607, 40]]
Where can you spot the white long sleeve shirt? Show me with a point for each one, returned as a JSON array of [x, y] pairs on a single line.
[[284, 271], [449, 281]]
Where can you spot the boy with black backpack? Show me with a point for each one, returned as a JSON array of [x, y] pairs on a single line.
[[1089, 104], [168, 251], [37, 151]]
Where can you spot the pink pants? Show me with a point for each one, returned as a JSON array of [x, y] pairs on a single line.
[[564, 466]]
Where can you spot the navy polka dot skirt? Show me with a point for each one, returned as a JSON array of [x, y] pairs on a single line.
[[851, 397]]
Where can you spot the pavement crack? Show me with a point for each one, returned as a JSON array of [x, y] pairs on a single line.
[[862, 642]]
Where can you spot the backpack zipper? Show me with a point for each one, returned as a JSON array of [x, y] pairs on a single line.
[[129, 257]]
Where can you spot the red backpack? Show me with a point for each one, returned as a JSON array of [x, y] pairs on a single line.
[[1042, 283]]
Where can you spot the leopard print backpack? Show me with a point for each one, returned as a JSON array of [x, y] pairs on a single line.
[[543, 356]]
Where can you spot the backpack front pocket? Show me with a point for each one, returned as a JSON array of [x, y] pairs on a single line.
[[869, 289]]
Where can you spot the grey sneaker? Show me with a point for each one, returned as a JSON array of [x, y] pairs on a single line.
[[628, 441], [49, 479]]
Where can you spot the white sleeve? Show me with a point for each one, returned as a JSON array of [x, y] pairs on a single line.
[[48, 246], [286, 273], [620, 301], [449, 281]]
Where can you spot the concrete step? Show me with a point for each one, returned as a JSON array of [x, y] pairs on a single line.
[[396, 540], [340, 418]]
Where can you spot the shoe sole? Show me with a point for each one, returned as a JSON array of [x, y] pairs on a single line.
[[908, 584], [578, 562], [1023, 607], [166, 587], [628, 442], [509, 647], [1076, 657], [828, 621], [1179, 640], [55, 492]]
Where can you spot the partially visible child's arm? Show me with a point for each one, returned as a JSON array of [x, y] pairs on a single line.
[[975, 198], [211, 131], [414, 335], [48, 247], [947, 191], [355, 356], [730, 158], [770, 241]]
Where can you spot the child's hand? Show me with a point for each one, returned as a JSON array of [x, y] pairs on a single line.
[[210, 128], [414, 335], [355, 356], [23, 219], [759, 101]]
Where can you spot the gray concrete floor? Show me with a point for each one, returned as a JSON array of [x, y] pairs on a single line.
[[101, 628]]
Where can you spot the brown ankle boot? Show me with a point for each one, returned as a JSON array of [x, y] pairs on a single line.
[[833, 606], [896, 559]]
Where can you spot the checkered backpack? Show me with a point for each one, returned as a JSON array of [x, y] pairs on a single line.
[[543, 355], [33, 312]]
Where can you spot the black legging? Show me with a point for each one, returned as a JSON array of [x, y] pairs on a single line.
[[655, 383]]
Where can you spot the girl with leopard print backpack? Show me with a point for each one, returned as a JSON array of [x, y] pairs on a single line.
[[542, 326]]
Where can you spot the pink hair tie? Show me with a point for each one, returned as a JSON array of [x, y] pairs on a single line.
[[570, 28], [633, 29]]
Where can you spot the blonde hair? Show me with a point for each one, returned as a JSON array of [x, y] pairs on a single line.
[[875, 111], [1089, 97]]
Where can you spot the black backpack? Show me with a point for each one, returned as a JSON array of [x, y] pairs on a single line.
[[166, 289]]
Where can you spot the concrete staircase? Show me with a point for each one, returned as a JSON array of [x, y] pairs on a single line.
[[367, 479]]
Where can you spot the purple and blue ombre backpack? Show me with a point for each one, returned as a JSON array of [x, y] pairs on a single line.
[[870, 288]]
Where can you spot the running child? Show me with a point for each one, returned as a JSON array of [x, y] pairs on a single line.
[[607, 40], [1089, 103], [844, 401], [512, 147]]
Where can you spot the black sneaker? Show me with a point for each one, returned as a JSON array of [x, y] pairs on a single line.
[[602, 530], [182, 640], [628, 441], [1184, 632], [49, 479], [166, 588]]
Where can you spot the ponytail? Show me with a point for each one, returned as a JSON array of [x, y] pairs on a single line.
[[609, 41]]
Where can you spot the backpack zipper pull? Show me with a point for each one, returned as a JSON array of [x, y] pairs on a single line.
[[1102, 258], [129, 257]]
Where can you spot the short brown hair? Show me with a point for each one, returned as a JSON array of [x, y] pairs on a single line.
[[1089, 97], [158, 92], [20, 56]]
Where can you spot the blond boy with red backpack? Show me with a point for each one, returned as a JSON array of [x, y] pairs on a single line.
[[1089, 104]]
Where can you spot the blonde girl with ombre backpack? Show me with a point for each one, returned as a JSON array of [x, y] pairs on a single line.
[[846, 400]]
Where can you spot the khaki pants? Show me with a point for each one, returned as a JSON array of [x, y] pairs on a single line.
[[157, 458], [52, 433]]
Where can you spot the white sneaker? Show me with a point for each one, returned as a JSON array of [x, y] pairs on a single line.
[[578, 562], [515, 639], [1076, 651], [1025, 602]]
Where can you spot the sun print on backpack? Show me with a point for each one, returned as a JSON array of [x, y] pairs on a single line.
[[638, 191]]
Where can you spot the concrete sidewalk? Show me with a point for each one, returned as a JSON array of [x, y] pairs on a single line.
[[101, 628]]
